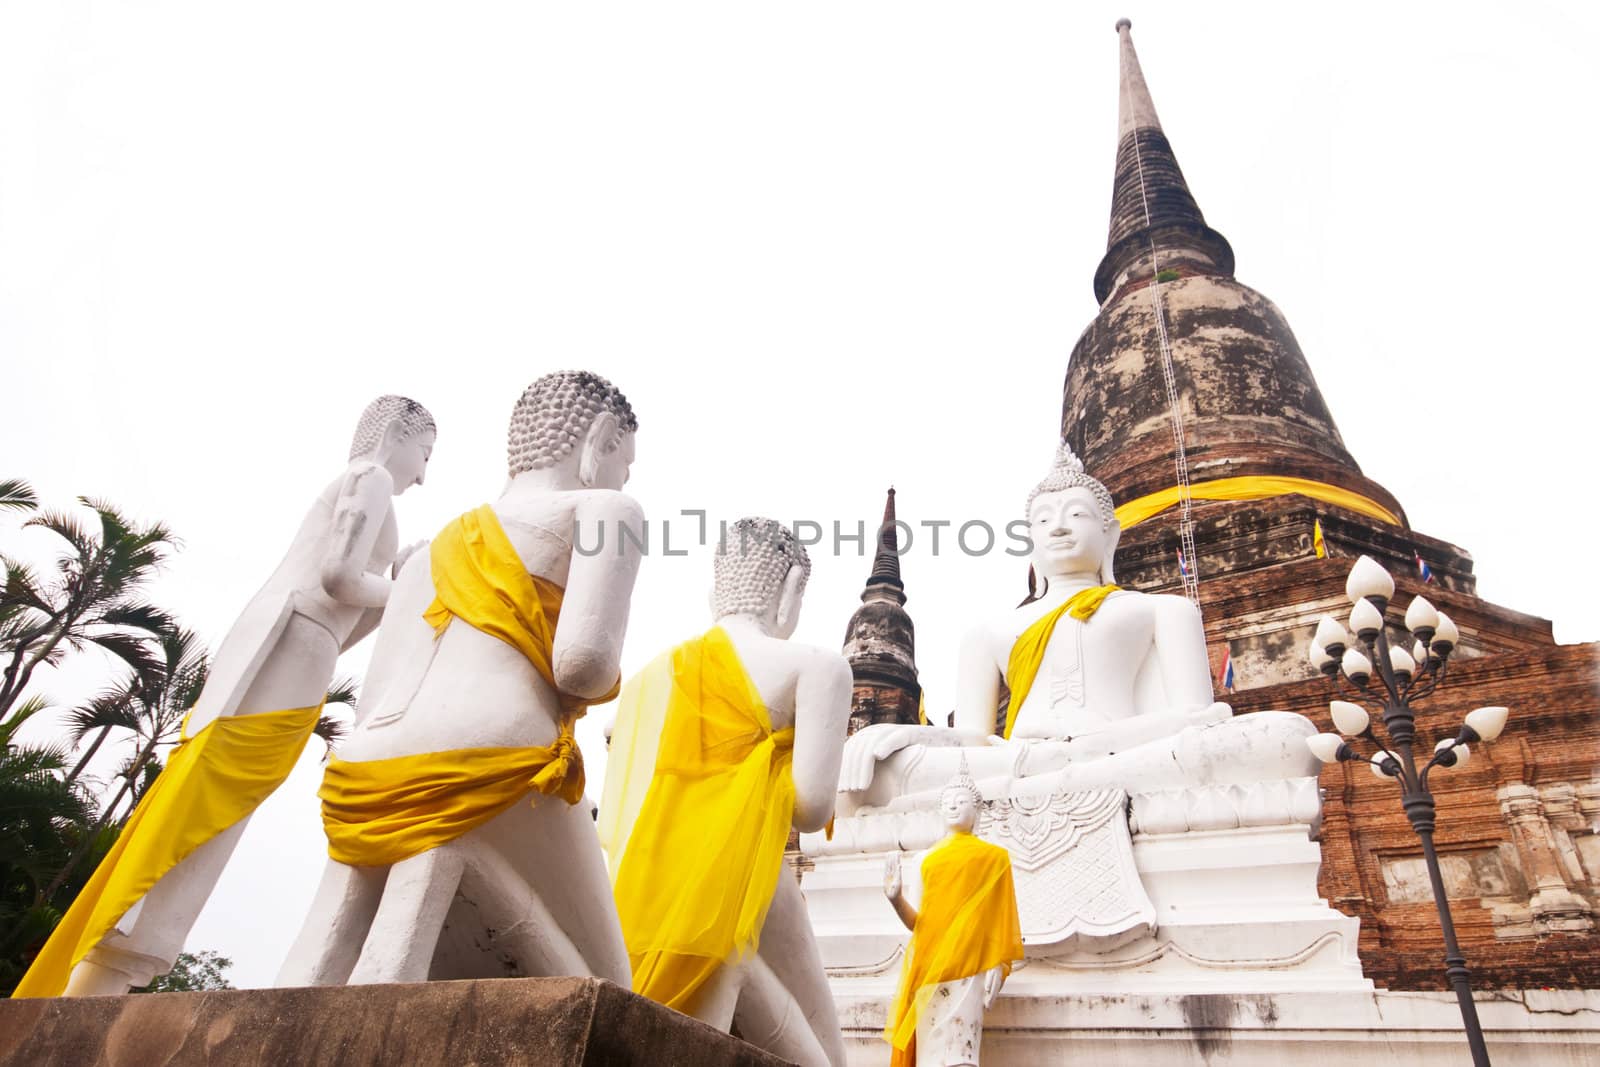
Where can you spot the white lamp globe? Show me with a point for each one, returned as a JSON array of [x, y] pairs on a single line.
[[1349, 719]]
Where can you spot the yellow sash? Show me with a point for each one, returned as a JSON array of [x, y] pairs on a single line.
[[967, 923], [211, 781], [702, 860], [379, 812], [1028, 653], [1253, 487]]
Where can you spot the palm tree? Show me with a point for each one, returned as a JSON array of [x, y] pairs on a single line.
[[91, 601], [151, 710], [153, 715]]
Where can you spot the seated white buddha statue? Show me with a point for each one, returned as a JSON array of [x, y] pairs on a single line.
[[1108, 686]]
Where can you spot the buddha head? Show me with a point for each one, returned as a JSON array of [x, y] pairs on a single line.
[[960, 801], [760, 570], [1072, 523], [398, 434], [574, 423]]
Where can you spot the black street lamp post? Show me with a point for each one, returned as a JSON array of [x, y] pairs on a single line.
[[1402, 677]]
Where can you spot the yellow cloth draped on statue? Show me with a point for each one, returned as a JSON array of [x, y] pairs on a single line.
[[967, 923], [1253, 487], [1027, 654], [211, 781], [380, 812], [699, 865]]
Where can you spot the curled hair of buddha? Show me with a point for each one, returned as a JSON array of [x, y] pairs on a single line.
[[750, 566], [1068, 473], [413, 418], [554, 413]]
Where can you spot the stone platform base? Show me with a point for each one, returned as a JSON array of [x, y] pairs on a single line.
[[1557, 1028], [506, 1022]]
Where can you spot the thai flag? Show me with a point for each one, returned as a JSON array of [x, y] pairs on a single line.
[[1225, 675], [1183, 564], [1424, 571]]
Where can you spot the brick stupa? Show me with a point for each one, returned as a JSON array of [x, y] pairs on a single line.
[[1516, 826]]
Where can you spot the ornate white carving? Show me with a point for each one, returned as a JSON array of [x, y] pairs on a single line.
[[1072, 858]]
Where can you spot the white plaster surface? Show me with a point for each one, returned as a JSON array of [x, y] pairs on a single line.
[[1559, 1028]]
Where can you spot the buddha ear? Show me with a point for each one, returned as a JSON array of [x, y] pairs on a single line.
[[789, 597], [599, 439], [393, 431], [1112, 537]]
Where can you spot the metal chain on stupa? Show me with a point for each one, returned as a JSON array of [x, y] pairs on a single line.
[[1188, 564]]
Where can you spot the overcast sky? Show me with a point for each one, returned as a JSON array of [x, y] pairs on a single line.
[[823, 248]]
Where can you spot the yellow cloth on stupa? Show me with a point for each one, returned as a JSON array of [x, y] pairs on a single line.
[[702, 858], [967, 923], [211, 781], [378, 812], [1022, 667], [1252, 487]]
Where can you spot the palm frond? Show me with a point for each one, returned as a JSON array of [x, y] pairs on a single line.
[[342, 691], [22, 587], [137, 615], [67, 527], [21, 713], [134, 651], [17, 495], [114, 708], [332, 730]]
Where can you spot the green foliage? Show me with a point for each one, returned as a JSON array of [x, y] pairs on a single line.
[[51, 837], [1167, 275], [44, 820], [193, 971], [90, 598]]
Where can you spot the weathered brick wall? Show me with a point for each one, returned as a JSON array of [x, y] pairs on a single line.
[[1516, 829]]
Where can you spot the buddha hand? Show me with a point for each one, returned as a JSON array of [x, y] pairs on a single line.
[[993, 979], [1212, 713], [871, 745]]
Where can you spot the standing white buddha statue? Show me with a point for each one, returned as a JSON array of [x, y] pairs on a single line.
[[721, 745], [964, 938], [259, 704], [457, 841]]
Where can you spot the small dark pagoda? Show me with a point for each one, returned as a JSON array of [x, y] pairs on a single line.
[[880, 642]]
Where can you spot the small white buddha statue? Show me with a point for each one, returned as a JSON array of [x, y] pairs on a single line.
[[455, 806], [327, 594], [964, 939], [733, 738], [1108, 687]]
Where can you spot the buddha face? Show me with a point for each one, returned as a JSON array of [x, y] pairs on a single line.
[[958, 809], [407, 460], [1068, 535]]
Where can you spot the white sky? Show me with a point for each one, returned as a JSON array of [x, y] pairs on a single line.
[[821, 247]]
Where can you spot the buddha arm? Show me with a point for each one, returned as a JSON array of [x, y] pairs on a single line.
[[821, 714], [358, 518], [977, 684], [1180, 652], [594, 609], [903, 908]]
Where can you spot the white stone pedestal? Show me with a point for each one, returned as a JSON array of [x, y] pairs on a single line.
[[1222, 899], [1559, 1028]]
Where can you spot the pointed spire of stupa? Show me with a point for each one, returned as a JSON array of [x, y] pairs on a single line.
[[885, 578], [1150, 201]]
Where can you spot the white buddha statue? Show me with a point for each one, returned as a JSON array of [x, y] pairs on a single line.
[[1108, 687], [275, 663], [458, 843], [721, 745], [965, 936]]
